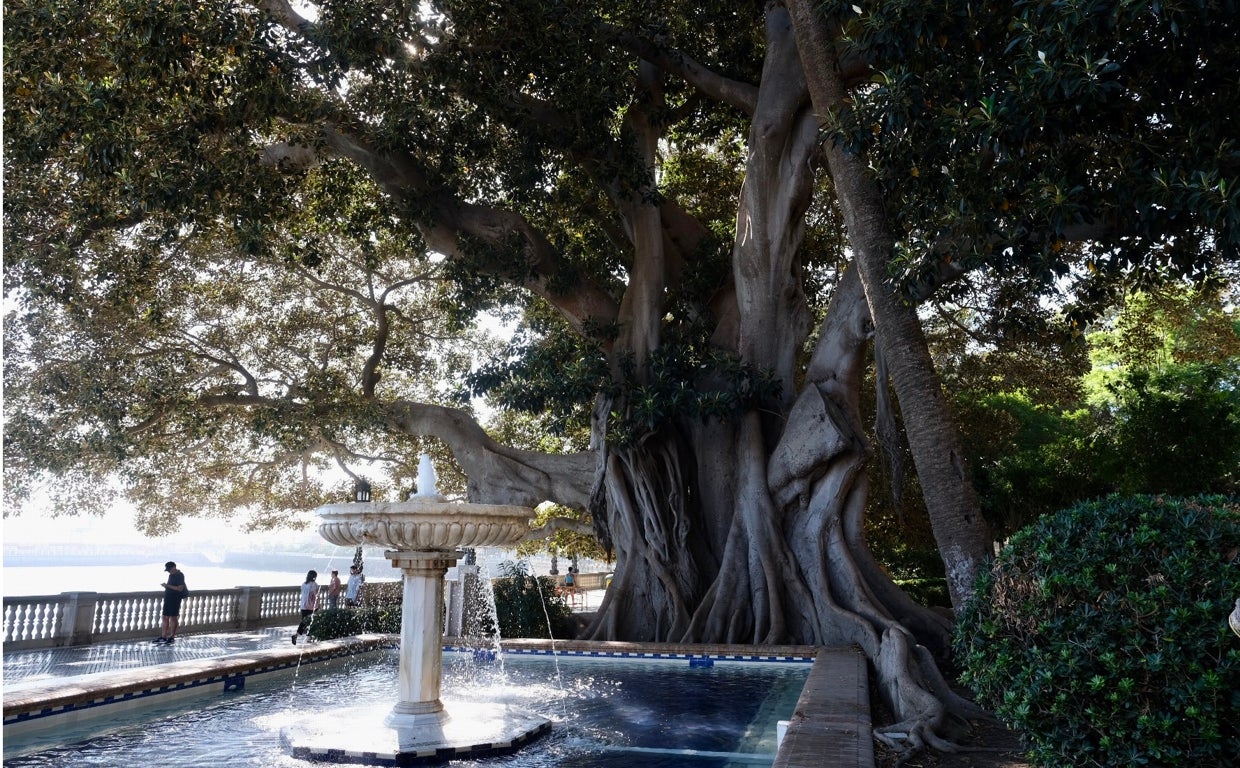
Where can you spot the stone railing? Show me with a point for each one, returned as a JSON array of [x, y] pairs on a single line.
[[585, 581], [81, 618]]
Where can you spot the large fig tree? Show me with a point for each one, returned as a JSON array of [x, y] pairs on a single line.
[[242, 239]]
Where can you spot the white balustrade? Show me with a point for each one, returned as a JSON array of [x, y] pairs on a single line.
[[80, 618]]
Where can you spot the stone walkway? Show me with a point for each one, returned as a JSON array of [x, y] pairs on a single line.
[[21, 670]]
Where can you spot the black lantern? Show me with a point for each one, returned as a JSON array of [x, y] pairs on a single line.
[[361, 490]]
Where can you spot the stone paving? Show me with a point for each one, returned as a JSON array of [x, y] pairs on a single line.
[[26, 669]]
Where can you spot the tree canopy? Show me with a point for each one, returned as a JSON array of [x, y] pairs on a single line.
[[246, 239]]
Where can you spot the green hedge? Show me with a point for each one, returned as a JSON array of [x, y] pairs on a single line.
[[523, 604], [344, 622], [528, 606], [1100, 634]]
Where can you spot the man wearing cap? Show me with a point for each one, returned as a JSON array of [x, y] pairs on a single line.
[[174, 590]]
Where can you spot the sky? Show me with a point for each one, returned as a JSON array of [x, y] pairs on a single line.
[[118, 527]]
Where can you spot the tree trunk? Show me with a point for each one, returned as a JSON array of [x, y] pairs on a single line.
[[751, 529], [723, 538], [959, 529]]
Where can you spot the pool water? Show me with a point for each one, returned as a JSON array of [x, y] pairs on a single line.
[[605, 713]]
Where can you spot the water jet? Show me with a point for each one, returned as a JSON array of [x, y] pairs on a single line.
[[423, 537]]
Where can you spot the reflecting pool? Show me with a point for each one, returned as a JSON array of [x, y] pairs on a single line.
[[606, 712]]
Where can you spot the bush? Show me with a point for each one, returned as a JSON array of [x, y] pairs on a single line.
[[345, 622], [525, 603], [1100, 634], [380, 594], [929, 591]]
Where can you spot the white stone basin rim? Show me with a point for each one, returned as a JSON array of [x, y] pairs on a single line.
[[425, 525]]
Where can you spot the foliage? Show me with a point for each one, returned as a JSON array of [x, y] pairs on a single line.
[[1175, 431], [524, 604], [899, 534], [147, 200], [576, 539], [1100, 633], [554, 373], [331, 623], [1147, 402], [930, 591], [205, 323], [998, 128], [1030, 459], [205, 380]]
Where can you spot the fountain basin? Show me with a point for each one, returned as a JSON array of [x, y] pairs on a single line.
[[423, 537], [476, 730], [611, 704], [424, 524]]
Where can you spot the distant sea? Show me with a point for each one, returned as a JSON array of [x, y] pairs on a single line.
[[21, 581], [238, 570]]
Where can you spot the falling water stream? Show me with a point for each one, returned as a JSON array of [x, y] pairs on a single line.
[[555, 657]]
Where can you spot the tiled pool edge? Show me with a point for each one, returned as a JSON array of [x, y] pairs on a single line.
[[636, 650], [830, 727], [80, 698]]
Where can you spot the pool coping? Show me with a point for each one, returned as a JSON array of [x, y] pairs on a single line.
[[227, 673], [830, 725]]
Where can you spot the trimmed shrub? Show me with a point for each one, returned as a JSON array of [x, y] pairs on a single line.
[[345, 622], [1100, 634], [525, 603], [381, 594]]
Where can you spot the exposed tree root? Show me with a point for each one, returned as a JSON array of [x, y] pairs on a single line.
[[794, 566]]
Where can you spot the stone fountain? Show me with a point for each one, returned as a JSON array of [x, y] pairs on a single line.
[[424, 537]]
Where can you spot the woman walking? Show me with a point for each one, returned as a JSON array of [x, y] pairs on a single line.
[[309, 601]]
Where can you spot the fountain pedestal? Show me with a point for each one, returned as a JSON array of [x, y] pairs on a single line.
[[421, 657], [424, 537]]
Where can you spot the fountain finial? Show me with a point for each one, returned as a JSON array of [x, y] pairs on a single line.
[[426, 477]]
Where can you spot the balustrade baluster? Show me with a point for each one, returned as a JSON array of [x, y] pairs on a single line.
[[23, 622], [43, 616], [104, 622]]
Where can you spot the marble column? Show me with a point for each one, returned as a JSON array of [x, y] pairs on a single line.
[[421, 636]]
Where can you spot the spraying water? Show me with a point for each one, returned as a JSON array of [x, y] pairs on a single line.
[[426, 477]]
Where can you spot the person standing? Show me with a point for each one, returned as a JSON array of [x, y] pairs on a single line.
[[174, 591], [333, 591], [353, 593], [309, 601]]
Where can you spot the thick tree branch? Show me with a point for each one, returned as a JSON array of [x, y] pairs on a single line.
[[449, 218], [497, 473], [559, 524], [281, 11], [743, 96], [642, 306]]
